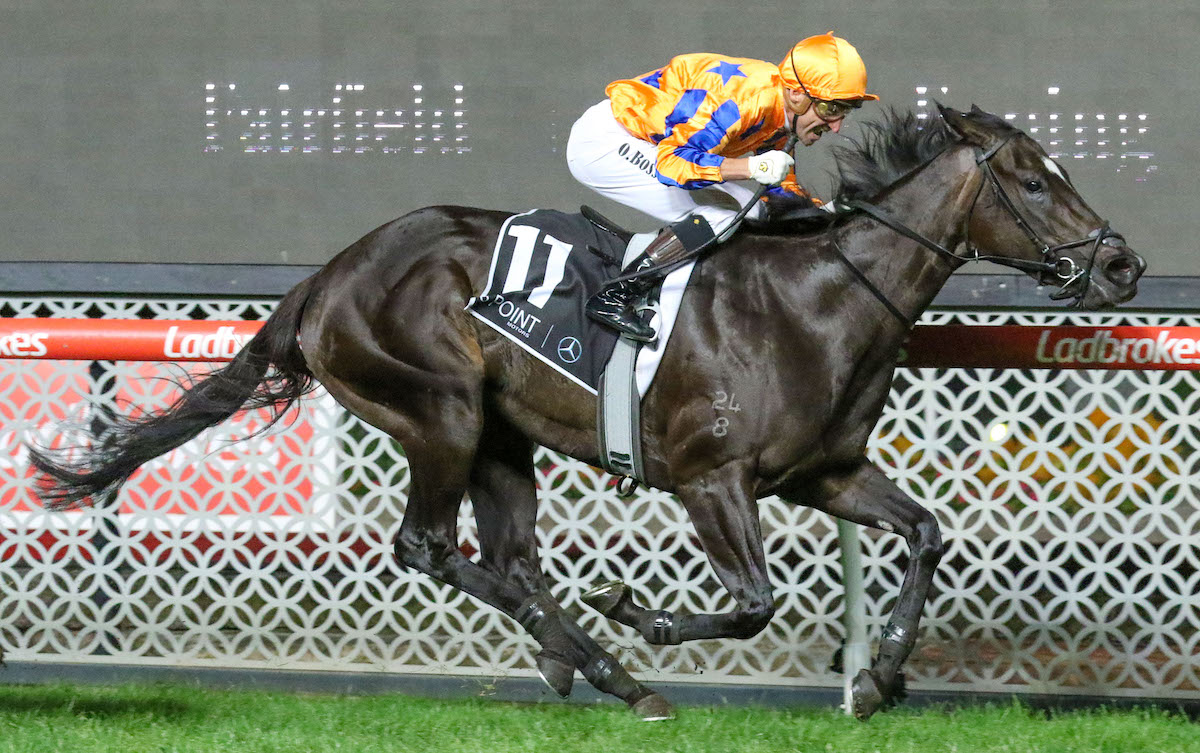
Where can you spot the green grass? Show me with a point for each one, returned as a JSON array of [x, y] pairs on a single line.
[[161, 718]]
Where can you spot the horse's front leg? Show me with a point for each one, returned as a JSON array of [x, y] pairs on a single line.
[[723, 509], [864, 495]]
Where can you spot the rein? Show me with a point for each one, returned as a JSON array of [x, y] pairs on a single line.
[[1063, 268], [1053, 263]]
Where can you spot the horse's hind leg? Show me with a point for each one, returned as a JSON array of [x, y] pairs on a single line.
[[447, 454], [503, 492], [864, 495], [439, 433]]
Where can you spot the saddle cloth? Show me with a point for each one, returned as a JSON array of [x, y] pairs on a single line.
[[541, 276]]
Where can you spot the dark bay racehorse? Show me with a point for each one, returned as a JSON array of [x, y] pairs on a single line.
[[802, 323]]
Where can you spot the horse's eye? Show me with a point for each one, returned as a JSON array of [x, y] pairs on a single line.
[[1033, 186]]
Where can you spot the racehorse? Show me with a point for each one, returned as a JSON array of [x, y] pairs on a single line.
[[802, 320]]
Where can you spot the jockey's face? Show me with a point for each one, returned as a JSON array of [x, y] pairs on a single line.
[[810, 125]]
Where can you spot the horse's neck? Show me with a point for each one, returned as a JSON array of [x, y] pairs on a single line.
[[934, 202]]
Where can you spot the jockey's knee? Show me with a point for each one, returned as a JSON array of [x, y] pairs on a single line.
[[719, 219]]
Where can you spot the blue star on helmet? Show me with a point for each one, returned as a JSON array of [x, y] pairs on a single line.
[[727, 71]]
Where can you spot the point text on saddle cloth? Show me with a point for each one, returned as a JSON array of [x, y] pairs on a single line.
[[541, 276]]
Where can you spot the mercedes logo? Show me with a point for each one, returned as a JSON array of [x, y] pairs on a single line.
[[569, 350]]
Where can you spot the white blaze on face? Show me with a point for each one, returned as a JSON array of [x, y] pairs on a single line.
[[1053, 167]]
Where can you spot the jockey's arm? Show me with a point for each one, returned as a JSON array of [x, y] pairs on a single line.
[[691, 155], [735, 169], [739, 169]]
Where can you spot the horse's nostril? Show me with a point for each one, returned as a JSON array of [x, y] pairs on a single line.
[[1124, 269]]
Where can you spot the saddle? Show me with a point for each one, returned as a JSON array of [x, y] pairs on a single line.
[[541, 278], [605, 224]]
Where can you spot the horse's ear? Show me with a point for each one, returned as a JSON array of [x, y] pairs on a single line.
[[963, 126], [953, 118]]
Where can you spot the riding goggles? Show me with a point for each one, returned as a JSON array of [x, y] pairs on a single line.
[[832, 109]]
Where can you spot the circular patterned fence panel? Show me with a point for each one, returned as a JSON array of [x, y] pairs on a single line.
[[1067, 499]]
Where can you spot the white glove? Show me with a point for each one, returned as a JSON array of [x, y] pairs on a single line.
[[770, 168]]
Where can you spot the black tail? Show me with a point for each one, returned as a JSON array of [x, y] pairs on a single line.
[[129, 442]]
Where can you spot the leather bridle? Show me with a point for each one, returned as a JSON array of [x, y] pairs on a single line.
[[1053, 262], [1053, 267]]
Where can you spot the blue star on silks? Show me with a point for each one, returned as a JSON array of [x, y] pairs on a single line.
[[727, 71]]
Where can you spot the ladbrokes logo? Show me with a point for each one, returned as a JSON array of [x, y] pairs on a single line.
[[224, 343], [24, 344], [1104, 348]]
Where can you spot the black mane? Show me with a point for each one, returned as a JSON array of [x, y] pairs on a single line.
[[892, 147], [889, 148]]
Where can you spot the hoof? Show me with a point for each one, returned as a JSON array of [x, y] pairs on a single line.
[[654, 708], [865, 695], [609, 597], [558, 675], [899, 692]]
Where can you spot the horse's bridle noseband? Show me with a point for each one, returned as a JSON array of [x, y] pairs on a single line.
[[1062, 268]]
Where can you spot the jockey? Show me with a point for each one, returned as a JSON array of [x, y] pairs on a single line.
[[698, 122]]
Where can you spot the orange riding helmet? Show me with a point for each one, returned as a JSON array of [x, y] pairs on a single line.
[[827, 67]]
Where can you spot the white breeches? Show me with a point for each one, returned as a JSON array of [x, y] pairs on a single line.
[[605, 157]]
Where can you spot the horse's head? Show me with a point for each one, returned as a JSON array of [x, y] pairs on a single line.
[[1028, 215]]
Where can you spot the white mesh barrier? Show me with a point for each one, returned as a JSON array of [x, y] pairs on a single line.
[[1068, 502]]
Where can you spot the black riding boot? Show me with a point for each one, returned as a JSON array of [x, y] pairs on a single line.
[[615, 305]]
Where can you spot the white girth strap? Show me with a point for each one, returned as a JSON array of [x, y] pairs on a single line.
[[618, 423]]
